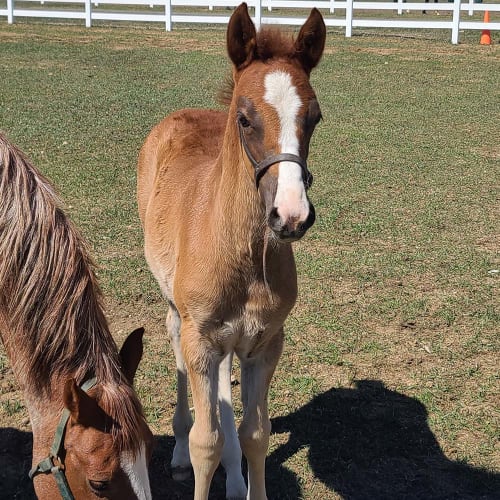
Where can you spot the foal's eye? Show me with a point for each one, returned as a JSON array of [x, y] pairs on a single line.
[[98, 486], [243, 120]]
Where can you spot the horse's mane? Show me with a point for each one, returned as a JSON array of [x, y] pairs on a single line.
[[271, 43], [50, 301]]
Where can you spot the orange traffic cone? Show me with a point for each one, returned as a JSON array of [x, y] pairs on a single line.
[[485, 35]]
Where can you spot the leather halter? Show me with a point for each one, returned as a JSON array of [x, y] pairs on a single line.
[[261, 167], [53, 464]]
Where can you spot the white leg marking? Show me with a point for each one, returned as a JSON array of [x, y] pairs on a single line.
[[137, 473], [231, 452], [291, 200]]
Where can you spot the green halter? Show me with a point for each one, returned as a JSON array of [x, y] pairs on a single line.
[[49, 465]]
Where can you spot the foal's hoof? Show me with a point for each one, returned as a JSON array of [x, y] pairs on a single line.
[[181, 473]]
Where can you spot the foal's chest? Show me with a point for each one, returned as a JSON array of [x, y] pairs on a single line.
[[250, 326]]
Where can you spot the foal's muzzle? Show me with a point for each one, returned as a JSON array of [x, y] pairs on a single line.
[[292, 229]]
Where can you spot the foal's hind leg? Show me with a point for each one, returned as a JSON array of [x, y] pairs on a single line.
[[231, 453], [182, 423], [256, 374]]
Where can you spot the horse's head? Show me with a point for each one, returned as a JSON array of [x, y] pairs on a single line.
[[104, 456], [276, 110]]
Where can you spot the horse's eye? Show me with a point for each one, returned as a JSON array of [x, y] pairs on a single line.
[[98, 486], [243, 120]]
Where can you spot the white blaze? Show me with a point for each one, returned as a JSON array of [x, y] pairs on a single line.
[[281, 94], [137, 472]]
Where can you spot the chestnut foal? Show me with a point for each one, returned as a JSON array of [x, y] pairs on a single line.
[[90, 438], [221, 197]]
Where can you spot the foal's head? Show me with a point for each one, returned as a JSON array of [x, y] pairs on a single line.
[[276, 111], [107, 444]]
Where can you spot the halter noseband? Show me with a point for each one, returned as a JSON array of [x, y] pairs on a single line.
[[53, 464], [261, 167]]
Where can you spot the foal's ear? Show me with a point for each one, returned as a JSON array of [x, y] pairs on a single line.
[[311, 41], [241, 37], [83, 409], [131, 353]]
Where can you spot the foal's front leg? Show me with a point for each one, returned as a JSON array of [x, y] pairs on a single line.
[[256, 375], [231, 453], [182, 422], [205, 439]]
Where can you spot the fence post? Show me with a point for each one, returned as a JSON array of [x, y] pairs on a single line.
[[348, 18], [456, 22], [10, 11], [258, 13], [88, 13], [332, 6], [168, 15], [400, 7], [471, 11]]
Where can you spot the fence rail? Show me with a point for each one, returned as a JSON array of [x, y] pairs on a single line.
[[337, 13]]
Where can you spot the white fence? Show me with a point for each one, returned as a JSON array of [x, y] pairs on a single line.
[[347, 14]]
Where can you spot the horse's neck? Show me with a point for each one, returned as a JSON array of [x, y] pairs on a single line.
[[239, 208], [45, 411]]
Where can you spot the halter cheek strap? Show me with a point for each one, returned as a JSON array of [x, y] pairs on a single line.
[[53, 463], [261, 167]]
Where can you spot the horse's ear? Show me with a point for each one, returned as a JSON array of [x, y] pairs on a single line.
[[83, 409], [131, 353], [241, 37], [311, 41]]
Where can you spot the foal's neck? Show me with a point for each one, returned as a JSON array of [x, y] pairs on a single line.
[[241, 212]]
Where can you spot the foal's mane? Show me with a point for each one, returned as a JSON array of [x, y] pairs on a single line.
[[271, 43], [50, 301]]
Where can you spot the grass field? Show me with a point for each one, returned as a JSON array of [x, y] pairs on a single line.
[[389, 384]]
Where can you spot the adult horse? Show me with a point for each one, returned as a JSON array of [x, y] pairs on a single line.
[[90, 438], [221, 197]]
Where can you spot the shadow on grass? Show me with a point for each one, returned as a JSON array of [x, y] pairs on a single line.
[[15, 463], [373, 443], [363, 443]]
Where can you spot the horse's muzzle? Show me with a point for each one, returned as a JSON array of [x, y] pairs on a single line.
[[291, 229]]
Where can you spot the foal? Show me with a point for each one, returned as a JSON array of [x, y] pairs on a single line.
[[90, 439], [221, 197]]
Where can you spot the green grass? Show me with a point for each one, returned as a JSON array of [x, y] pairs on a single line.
[[391, 359], [12, 407]]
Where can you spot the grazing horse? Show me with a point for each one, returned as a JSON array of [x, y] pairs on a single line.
[[221, 197], [90, 438]]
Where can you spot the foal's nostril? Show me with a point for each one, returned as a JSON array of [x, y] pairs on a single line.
[[274, 219], [311, 218]]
